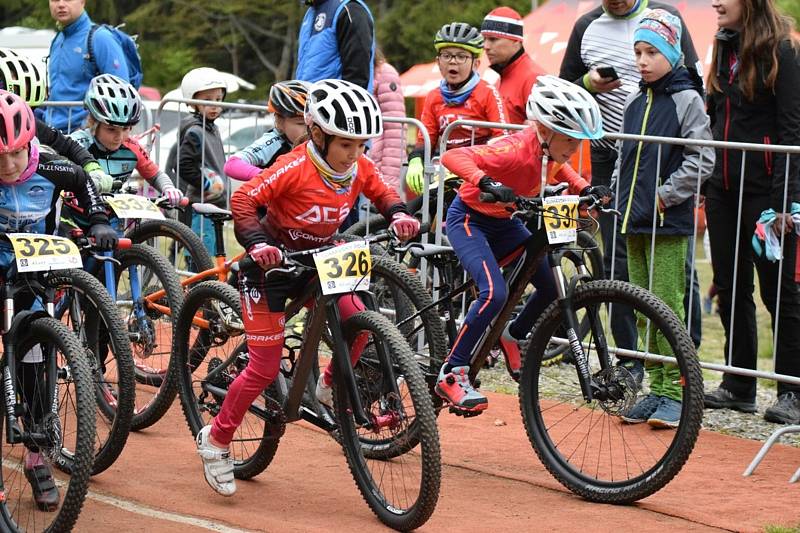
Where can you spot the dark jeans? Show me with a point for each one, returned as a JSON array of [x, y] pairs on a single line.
[[623, 323], [721, 216]]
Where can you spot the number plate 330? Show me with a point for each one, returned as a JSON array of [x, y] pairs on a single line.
[[344, 268]]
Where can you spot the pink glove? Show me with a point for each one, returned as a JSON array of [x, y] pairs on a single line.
[[404, 226], [265, 255], [173, 195]]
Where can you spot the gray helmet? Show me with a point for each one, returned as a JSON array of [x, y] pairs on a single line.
[[460, 35], [113, 101]]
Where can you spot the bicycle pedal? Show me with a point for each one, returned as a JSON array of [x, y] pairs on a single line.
[[461, 412]]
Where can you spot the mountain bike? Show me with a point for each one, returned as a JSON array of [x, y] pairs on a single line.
[[49, 396], [572, 412], [375, 400]]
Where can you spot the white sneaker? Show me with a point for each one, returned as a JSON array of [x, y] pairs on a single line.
[[217, 464], [324, 392]]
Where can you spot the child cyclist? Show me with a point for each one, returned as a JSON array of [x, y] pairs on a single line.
[[462, 95], [306, 193], [28, 80], [287, 102], [30, 186], [114, 108], [480, 233]]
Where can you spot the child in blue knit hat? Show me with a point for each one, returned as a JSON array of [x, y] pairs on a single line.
[[656, 194]]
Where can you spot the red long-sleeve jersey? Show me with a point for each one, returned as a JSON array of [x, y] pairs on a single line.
[[483, 104], [514, 161], [302, 210]]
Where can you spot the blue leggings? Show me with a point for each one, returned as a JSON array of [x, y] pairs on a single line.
[[478, 241]]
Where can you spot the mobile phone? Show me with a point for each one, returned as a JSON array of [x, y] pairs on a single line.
[[608, 72]]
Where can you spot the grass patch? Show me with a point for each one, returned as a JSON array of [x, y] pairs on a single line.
[[782, 529]]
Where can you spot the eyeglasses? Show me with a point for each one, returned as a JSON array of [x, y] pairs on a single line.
[[460, 59]]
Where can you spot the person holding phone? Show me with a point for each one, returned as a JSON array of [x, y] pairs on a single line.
[[600, 58]]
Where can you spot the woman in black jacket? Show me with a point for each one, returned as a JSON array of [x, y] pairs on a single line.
[[753, 97]]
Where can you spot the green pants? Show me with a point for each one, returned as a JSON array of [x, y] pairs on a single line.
[[669, 284]]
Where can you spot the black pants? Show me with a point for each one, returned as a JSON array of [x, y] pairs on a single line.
[[721, 216], [623, 323]]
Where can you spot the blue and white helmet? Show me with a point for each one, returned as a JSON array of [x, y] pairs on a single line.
[[565, 108], [113, 101], [344, 109]]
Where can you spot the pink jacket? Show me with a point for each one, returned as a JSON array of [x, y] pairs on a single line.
[[389, 150]]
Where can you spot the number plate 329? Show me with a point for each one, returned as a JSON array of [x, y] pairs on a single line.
[[344, 268], [35, 252]]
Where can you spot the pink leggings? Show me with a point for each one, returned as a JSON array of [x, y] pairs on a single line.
[[262, 371]]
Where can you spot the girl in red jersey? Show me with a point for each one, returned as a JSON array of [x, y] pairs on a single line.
[[306, 193], [462, 95], [481, 232]]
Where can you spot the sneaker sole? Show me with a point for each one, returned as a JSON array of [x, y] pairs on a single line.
[[775, 419], [736, 406], [663, 424], [633, 420]]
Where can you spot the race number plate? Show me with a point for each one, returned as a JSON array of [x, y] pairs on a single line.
[[132, 206], [35, 252], [561, 218], [344, 268]]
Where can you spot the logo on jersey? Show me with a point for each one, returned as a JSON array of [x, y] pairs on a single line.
[[324, 215], [255, 295], [297, 235], [319, 22], [39, 197]]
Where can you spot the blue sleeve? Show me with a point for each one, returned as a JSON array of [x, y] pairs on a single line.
[[108, 54]]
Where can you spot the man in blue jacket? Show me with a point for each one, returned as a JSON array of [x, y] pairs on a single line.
[[69, 67]]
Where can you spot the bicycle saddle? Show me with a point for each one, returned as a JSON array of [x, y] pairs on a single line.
[[212, 211]]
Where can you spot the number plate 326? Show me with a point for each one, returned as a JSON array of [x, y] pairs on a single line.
[[344, 268], [35, 252]]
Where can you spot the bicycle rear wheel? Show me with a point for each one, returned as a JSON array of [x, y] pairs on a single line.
[[86, 308], [202, 348], [143, 271], [403, 491], [71, 430], [588, 447]]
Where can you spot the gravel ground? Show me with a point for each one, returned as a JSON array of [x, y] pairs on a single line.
[[726, 421]]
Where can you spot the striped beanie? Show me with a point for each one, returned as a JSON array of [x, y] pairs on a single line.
[[503, 22]]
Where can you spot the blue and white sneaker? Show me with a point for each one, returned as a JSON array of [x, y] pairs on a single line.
[[668, 414]]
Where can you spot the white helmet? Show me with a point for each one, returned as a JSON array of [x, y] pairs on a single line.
[[344, 109], [565, 108], [23, 76], [201, 79]]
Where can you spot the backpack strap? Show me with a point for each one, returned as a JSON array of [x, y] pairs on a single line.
[[89, 53]]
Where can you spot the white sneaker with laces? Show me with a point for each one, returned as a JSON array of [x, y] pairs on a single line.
[[324, 392], [217, 464]]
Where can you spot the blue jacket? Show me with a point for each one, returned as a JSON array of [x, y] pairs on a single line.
[[670, 107], [70, 70], [337, 42]]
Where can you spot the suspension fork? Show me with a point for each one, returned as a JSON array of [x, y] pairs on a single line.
[[13, 409], [565, 290]]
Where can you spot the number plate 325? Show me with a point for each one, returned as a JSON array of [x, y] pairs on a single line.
[[344, 268], [34, 252]]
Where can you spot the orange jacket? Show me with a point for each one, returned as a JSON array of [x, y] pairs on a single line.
[[302, 210], [515, 161]]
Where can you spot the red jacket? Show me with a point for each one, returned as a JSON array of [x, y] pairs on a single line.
[[483, 104], [515, 161], [303, 211], [515, 84]]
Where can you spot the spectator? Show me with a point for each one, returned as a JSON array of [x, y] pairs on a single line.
[[602, 37], [659, 182], [502, 33], [389, 150], [69, 67], [337, 41], [198, 159], [462, 94], [753, 97]]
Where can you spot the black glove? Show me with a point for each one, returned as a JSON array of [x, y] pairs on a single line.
[[104, 235], [598, 191], [498, 190]]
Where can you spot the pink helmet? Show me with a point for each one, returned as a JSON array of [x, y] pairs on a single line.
[[17, 124]]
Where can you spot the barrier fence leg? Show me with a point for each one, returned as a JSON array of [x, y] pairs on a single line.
[[777, 434]]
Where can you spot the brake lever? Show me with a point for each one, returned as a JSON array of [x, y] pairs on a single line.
[[112, 259]]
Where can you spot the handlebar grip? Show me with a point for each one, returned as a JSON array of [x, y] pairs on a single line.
[[184, 202], [117, 185], [425, 227], [247, 262], [124, 244], [488, 198]]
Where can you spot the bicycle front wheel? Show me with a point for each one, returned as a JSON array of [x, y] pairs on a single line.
[[598, 449], [403, 491], [69, 453]]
